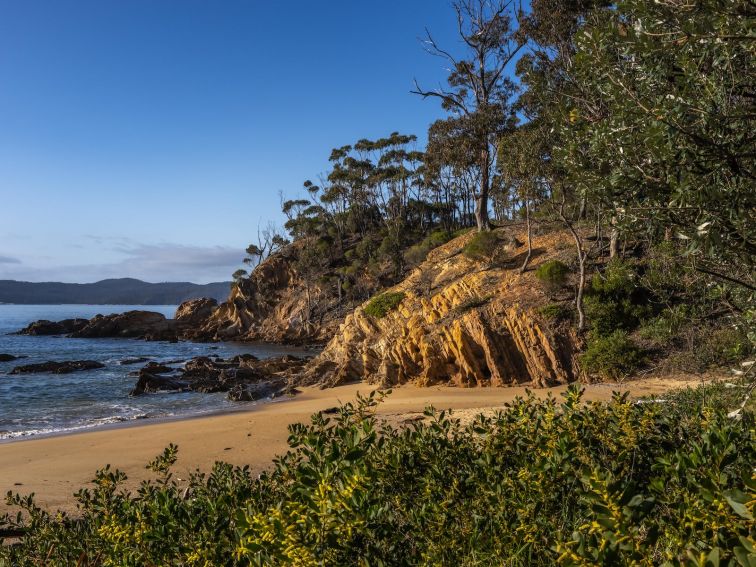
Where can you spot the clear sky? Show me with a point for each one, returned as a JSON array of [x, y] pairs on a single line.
[[149, 138]]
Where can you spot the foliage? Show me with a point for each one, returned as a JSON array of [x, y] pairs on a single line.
[[663, 131], [482, 246], [611, 356], [552, 274], [383, 304], [417, 253], [239, 275], [540, 483], [615, 300], [710, 346], [556, 312]]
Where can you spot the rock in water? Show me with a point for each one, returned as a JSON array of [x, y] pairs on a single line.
[[8, 357], [137, 360], [52, 367], [244, 377], [136, 324], [44, 327], [152, 383]]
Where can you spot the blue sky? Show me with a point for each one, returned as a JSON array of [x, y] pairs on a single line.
[[149, 138]]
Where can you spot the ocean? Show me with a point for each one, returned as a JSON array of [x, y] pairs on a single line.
[[38, 404]]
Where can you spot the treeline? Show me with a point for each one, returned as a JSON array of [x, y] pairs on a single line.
[[631, 124]]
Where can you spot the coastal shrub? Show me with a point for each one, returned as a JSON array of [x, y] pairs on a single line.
[[552, 275], [720, 346], [471, 303], [611, 356], [615, 301], [666, 326], [482, 246], [383, 304], [556, 312], [542, 482]]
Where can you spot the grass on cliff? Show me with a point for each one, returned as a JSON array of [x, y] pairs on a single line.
[[382, 305], [543, 482]]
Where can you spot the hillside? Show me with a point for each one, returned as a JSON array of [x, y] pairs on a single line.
[[122, 291]]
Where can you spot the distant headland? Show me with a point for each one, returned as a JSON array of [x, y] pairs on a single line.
[[120, 291]]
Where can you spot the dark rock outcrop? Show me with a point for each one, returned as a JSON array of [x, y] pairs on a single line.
[[9, 357], [244, 377], [138, 324], [137, 360], [52, 367], [153, 383], [44, 327]]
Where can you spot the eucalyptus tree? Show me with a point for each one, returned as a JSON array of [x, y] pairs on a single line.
[[479, 91]]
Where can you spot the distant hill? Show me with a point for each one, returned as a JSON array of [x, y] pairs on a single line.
[[122, 291]]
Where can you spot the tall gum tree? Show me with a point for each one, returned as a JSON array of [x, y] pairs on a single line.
[[479, 92]]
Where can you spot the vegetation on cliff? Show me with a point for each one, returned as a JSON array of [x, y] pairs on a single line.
[[543, 482], [629, 126]]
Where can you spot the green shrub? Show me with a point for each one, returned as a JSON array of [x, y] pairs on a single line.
[[721, 346], [543, 482], [417, 253], [471, 303], [552, 274], [614, 300], [482, 246], [665, 327], [611, 356], [556, 312], [381, 305]]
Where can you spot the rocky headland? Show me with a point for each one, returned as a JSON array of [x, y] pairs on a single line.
[[460, 321]]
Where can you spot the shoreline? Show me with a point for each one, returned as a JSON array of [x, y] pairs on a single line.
[[142, 421], [55, 466]]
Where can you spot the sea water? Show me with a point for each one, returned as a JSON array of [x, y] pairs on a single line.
[[34, 404]]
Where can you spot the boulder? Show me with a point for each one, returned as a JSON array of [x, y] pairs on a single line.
[[153, 383], [252, 392], [52, 367], [9, 357]]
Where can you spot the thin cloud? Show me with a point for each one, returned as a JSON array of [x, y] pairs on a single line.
[[149, 262], [9, 260]]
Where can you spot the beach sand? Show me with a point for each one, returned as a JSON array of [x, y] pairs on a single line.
[[56, 467]]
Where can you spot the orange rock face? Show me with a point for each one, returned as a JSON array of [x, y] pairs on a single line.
[[460, 323]]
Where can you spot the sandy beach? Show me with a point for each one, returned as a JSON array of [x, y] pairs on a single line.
[[55, 467]]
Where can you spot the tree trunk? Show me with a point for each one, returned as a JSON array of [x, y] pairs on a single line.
[[613, 239], [583, 207], [530, 239], [581, 263], [481, 199]]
